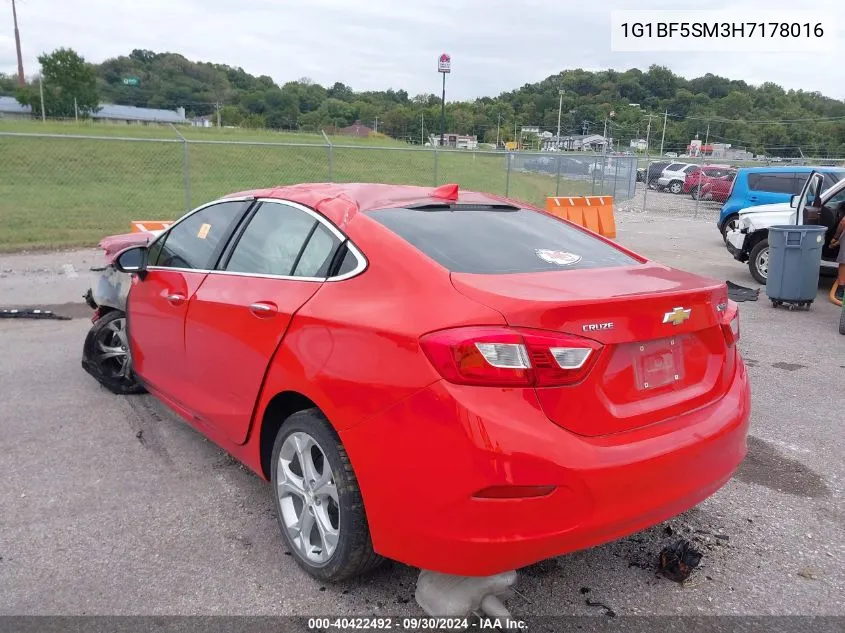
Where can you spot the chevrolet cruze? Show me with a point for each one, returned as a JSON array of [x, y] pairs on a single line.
[[453, 380]]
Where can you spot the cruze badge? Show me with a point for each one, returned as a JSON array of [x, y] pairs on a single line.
[[595, 327], [677, 316]]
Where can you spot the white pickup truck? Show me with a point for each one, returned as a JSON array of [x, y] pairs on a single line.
[[749, 240]]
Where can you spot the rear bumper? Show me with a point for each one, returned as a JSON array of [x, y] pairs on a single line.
[[420, 463]]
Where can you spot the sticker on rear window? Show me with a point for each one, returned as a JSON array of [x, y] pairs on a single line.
[[561, 258], [203, 232]]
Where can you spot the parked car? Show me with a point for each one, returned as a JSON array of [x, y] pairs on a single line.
[[671, 154], [674, 175], [768, 185], [749, 240], [717, 189], [449, 379], [698, 177], [652, 173]]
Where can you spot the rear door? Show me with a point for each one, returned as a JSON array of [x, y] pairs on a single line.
[[240, 313], [177, 263]]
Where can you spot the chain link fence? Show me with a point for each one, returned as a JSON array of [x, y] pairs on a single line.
[[68, 190]]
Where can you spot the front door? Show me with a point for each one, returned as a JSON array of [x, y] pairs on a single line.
[[239, 315], [177, 263]]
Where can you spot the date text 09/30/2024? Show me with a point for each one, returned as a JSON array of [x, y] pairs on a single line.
[[414, 624]]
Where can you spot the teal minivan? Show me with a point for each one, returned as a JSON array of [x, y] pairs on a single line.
[[768, 185]]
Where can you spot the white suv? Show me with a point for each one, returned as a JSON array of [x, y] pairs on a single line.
[[674, 175]]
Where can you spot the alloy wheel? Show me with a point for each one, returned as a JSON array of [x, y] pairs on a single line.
[[308, 498], [112, 349]]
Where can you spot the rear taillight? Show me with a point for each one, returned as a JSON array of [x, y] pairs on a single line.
[[729, 320], [509, 357]]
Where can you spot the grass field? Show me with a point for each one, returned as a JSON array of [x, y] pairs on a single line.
[[62, 192]]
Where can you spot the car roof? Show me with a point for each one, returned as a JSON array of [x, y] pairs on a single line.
[[787, 168], [339, 202]]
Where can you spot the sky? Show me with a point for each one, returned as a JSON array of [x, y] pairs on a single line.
[[495, 45]]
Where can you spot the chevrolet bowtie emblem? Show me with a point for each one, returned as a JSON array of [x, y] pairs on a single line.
[[677, 316]]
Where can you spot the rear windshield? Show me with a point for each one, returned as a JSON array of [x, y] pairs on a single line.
[[500, 242]]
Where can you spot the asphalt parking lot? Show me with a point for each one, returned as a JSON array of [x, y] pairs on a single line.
[[110, 505]]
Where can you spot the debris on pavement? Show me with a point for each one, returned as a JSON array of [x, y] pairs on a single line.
[[607, 610], [741, 293], [678, 560], [808, 574], [27, 313]]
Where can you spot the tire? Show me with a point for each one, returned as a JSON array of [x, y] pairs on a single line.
[[334, 507], [694, 192], [758, 261], [676, 187], [105, 355], [730, 223]]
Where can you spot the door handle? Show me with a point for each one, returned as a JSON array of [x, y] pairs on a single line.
[[262, 309], [175, 299]]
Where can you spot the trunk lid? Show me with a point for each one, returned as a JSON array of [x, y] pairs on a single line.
[[664, 351]]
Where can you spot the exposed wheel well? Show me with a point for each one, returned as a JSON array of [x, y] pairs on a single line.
[[757, 236], [280, 408]]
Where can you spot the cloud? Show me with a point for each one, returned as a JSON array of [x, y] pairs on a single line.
[[496, 45]]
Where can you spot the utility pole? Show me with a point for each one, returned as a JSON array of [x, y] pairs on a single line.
[[516, 139], [663, 137], [218, 113], [498, 127], [376, 125], [75, 111], [706, 139], [41, 90], [647, 137], [559, 109], [21, 79], [422, 129]]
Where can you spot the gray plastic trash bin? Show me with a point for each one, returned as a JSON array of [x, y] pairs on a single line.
[[795, 254]]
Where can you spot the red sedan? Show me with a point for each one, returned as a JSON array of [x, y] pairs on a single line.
[[449, 379], [699, 178]]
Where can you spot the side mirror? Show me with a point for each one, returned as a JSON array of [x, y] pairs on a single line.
[[132, 260], [793, 201]]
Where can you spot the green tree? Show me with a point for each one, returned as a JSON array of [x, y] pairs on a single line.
[[69, 83]]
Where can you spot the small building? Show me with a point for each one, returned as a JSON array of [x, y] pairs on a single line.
[[356, 129], [639, 144], [203, 121], [11, 109], [578, 143], [456, 141], [132, 115]]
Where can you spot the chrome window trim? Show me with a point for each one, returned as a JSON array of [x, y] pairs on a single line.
[[356, 252]]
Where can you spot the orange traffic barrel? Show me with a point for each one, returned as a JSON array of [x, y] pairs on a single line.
[[594, 213]]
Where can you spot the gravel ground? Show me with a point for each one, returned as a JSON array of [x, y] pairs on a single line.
[[110, 505]]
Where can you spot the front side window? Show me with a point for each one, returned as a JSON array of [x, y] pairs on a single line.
[[192, 242], [285, 241]]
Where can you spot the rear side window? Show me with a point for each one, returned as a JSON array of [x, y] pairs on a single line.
[[500, 242], [773, 183], [675, 167], [690, 168]]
